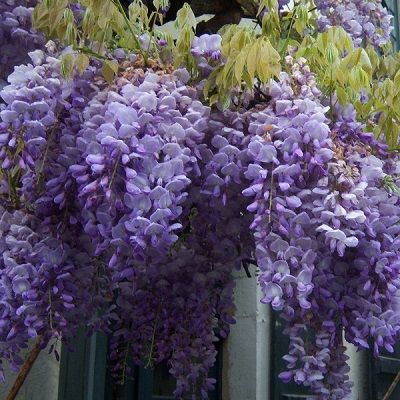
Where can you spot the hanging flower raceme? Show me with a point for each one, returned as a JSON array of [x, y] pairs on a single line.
[[368, 22], [175, 310], [49, 287], [326, 230], [363, 205], [17, 37], [126, 205], [306, 177], [140, 161], [42, 115], [58, 285], [138, 155]]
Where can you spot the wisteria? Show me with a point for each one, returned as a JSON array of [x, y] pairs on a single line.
[[127, 200], [50, 278], [207, 52], [17, 37], [138, 181], [38, 125], [368, 22], [137, 144], [45, 282]]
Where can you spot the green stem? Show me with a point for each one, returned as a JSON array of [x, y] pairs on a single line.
[[90, 52], [290, 30], [114, 170], [153, 336]]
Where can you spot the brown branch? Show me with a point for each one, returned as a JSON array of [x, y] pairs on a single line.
[[25, 369], [392, 387]]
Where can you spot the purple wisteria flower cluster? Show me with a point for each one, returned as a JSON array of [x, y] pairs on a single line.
[[325, 227], [170, 256], [126, 206], [137, 146], [206, 50], [50, 278], [38, 126], [367, 21], [115, 168], [45, 281], [17, 37]]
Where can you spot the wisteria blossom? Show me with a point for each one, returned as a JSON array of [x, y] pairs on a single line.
[[127, 198]]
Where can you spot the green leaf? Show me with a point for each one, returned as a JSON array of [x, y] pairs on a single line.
[[268, 62], [331, 54], [239, 65], [252, 59], [391, 130], [364, 60], [214, 99], [82, 62], [40, 16], [342, 95], [67, 64], [396, 80], [109, 70], [185, 17]]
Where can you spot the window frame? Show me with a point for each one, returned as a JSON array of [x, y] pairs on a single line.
[[84, 374]]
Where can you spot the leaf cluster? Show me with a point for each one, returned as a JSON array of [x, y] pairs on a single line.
[[340, 68], [185, 24], [250, 59], [100, 26], [367, 78]]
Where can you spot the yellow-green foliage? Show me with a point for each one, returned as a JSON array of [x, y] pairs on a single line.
[[186, 26], [103, 22], [248, 58], [345, 74], [339, 67]]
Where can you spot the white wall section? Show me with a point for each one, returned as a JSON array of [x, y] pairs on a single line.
[[246, 353]]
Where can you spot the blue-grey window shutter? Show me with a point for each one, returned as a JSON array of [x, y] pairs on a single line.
[[393, 7], [383, 371], [84, 376]]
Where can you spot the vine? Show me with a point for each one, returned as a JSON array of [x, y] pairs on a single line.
[[140, 168]]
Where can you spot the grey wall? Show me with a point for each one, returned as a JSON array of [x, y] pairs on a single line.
[[246, 361], [247, 351], [41, 383]]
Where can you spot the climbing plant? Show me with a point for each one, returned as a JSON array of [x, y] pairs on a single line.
[[140, 166]]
